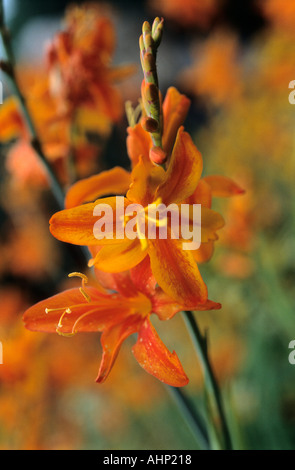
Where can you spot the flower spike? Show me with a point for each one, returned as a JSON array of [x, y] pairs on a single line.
[[151, 99]]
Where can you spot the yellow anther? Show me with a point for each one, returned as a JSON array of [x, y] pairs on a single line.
[[81, 275], [85, 295], [84, 281], [64, 334]]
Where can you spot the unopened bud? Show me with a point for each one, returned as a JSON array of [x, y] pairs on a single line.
[[155, 25], [149, 63], [146, 28], [148, 43], [149, 124], [157, 31], [157, 155], [151, 92]]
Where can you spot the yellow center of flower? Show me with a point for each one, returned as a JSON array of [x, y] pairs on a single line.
[[144, 219]]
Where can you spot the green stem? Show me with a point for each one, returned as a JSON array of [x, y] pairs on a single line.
[[212, 388], [192, 417], [8, 67]]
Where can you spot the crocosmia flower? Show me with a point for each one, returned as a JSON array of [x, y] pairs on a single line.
[[117, 314], [79, 59]]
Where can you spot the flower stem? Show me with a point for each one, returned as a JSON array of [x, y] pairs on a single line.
[[192, 417], [211, 385], [8, 67]]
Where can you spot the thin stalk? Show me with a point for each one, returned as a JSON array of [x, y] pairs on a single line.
[[191, 416], [212, 387], [8, 67]]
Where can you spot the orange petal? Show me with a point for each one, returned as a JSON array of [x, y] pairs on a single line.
[[166, 308], [163, 306], [142, 277], [184, 171], [222, 186], [176, 272], [153, 356], [175, 109], [138, 143], [109, 101], [120, 257], [145, 177], [208, 305], [114, 181], [204, 253], [76, 225], [121, 72], [11, 122], [111, 341], [101, 312], [211, 221], [202, 194]]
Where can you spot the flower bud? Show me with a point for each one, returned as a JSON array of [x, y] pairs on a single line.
[[157, 155], [149, 124]]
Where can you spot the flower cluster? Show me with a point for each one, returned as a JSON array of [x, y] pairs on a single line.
[[70, 97], [139, 277]]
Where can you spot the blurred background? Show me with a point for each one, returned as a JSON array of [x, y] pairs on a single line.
[[235, 61]]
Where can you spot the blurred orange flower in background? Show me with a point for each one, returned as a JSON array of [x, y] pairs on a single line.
[[281, 14], [69, 98], [215, 75], [79, 60], [187, 13]]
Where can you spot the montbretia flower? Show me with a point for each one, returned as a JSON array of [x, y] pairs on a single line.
[[79, 60], [117, 314], [175, 269]]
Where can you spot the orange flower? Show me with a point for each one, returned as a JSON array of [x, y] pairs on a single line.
[[24, 166], [215, 74], [53, 131], [188, 13], [75, 98], [174, 268], [175, 108], [79, 63], [117, 315], [281, 14]]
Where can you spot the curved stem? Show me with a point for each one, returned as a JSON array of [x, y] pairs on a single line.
[[211, 384]]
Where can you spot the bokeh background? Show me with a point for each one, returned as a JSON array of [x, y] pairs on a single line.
[[235, 61]]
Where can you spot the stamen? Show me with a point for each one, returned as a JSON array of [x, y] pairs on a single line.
[[67, 310], [85, 295], [81, 275], [48, 310], [59, 326], [84, 281]]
